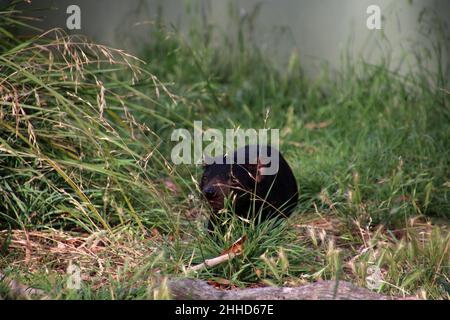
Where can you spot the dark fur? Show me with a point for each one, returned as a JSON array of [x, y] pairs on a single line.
[[276, 195]]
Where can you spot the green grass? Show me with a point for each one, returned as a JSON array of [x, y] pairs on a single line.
[[85, 166]]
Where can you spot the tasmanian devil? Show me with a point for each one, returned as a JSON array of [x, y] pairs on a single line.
[[257, 178]]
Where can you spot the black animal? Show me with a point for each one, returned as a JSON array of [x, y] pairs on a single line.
[[255, 193]]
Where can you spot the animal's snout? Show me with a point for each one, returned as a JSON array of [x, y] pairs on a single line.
[[209, 192]]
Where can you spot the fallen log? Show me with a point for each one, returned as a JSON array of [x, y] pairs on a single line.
[[191, 289], [18, 290]]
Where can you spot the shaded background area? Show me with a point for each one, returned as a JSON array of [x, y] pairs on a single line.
[[316, 31]]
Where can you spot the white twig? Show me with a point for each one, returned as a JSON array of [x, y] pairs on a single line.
[[214, 261]]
